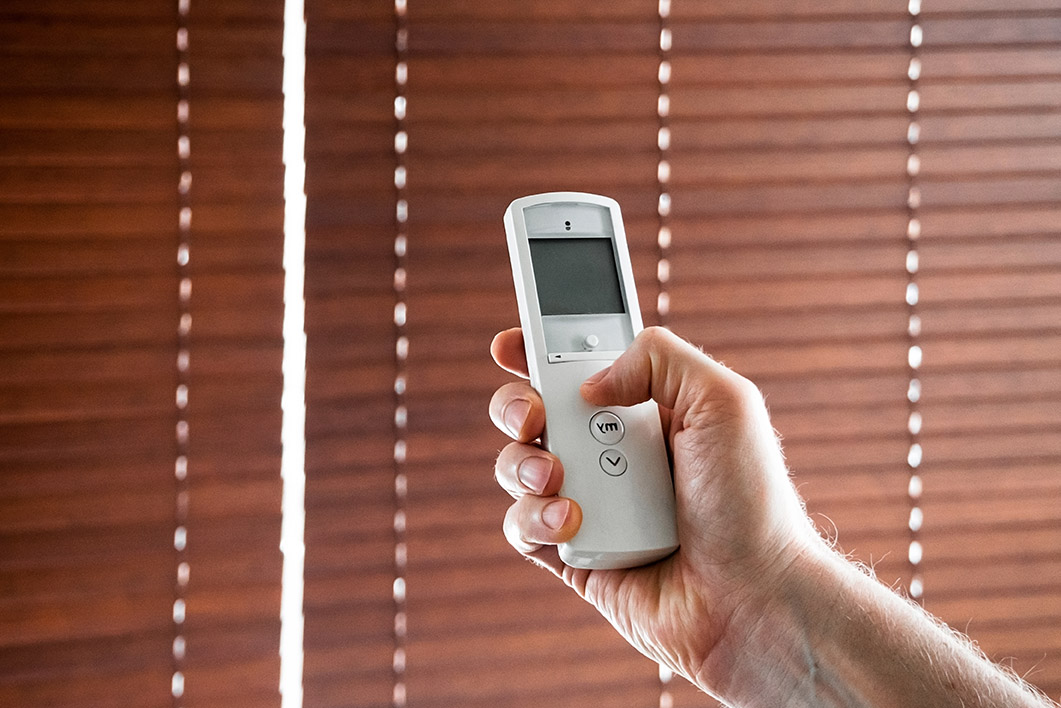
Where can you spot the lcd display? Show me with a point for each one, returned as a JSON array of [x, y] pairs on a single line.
[[576, 276]]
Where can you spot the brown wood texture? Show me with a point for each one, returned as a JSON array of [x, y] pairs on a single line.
[[787, 159], [89, 314]]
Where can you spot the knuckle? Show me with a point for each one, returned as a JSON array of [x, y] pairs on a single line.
[[514, 532], [654, 336]]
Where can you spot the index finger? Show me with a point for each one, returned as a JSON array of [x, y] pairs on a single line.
[[509, 352]]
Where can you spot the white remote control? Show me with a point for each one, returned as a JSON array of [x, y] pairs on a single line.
[[579, 312]]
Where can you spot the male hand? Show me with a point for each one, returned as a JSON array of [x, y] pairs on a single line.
[[740, 522]]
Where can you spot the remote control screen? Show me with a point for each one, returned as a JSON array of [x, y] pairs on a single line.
[[576, 276]]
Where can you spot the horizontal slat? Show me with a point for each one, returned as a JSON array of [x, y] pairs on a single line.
[[483, 207], [131, 329], [996, 351], [820, 324], [131, 221], [949, 128], [779, 295], [721, 231], [825, 34], [989, 529], [768, 261], [982, 6], [937, 162], [472, 36], [817, 165], [347, 452], [127, 75], [727, 9], [988, 287], [570, 104], [89, 184], [791, 101], [1000, 580], [962, 481], [997, 127], [148, 36], [593, 70], [89, 148], [150, 254], [1028, 252], [783, 67], [787, 200], [978, 97], [1005, 60], [614, 687], [991, 416], [452, 172], [98, 690], [979, 31], [136, 113], [986, 611], [114, 615], [59, 37], [451, 10], [337, 594], [548, 648], [983, 221], [992, 382]]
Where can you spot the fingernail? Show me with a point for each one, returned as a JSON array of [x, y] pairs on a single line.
[[515, 415], [555, 514], [597, 376], [533, 473]]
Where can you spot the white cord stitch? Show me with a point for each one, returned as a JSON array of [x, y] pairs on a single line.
[[401, 349], [915, 353], [182, 431]]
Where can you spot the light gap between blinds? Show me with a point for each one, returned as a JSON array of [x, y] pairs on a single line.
[[293, 398]]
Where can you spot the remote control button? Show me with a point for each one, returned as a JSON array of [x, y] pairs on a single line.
[[591, 342], [607, 428], [613, 462]]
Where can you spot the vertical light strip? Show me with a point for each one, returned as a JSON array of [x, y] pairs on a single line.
[[183, 363], [663, 140], [663, 235], [293, 402], [915, 551], [401, 347]]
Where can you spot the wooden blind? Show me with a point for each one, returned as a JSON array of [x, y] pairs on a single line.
[[853, 203], [495, 101], [140, 272], [991, 285], [863, 203]]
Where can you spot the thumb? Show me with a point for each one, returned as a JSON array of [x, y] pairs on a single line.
[[656, 366], [661, 366]]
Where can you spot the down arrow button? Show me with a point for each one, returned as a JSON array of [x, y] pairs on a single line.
[[613, 462]]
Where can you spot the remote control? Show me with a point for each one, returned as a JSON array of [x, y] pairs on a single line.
[[579, 311]]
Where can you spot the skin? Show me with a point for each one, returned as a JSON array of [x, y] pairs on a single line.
[[754, 608]]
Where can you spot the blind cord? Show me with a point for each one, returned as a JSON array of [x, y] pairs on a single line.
[[663, 139], [663, 237], [401, 350], [915, 551], [183, 363]]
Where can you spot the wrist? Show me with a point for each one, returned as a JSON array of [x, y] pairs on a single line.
[[829, 634], [762, 656]]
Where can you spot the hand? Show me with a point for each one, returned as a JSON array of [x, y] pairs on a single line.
[[740, 521]]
